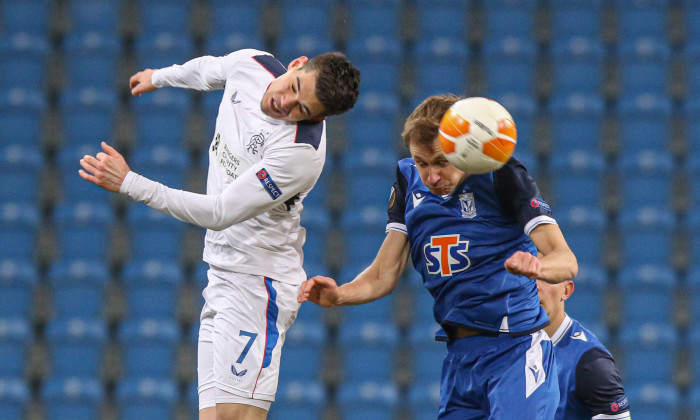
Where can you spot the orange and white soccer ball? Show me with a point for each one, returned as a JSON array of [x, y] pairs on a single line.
[[477, 135]]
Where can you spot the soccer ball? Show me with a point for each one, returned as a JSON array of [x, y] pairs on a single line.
[[477, 135]]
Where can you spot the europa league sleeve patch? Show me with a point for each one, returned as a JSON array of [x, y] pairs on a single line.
[[392, 198], [268, 184]]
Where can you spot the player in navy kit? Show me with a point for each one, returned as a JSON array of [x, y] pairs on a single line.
[[477, 241], [589, 383]]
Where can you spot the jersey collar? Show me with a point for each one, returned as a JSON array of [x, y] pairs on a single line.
[[563, 328]]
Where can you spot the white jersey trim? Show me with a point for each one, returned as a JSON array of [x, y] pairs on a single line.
[[399, 227], [563, 328], [621, 416], [539, 220]]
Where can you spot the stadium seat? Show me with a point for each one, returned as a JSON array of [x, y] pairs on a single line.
[[579, 180], [380, 309], [647, 293], [19, 226], [691, 119], [312, 19], [691, 19], [15, 337], [584, 227], [646, 235], [72, 398], [694, 336], [587, 304], [443, 56], [83, 229], [23, 113], [424, 399], [653, 401], [372, 123], [154, 234], [506, 18], [363, 228], [646, 178], [94, 15], [693, 282], [298, 400], [164, 16], [305, 340], [644, 121], [92, 58], [638, 18], [428, 354], [21, 168], [316, 221], [161, 117], [648, 352], [574, 18], [220, 44], [88, 115], [293, 46], [23, 60], [152, 288], [167, 164], [146, 398], [242, 17], [523, 108], [690, 58], [148, 348], [643, 65], [83, 281], [509, 64], [26, 16], [422, 300], [443, 18], [368, 349], [18, 279], [76, 347], [577, 65], [162, 50], [576, 122], [74, 188], [368, 400], [375, 17], [14, 398]]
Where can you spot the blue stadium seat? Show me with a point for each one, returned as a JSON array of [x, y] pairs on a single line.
[[643, 65], [690, 56], [428, 354], [372, 123], [443, 19], [577, 65], [644, 121], [316, 221], [579, 179], [154, 234], [584, 227], [165, 164], [306, 18], [19, 226], [422, 300], [523, 108], [648, 293], [20, 170], [363, 228], [293, 46], [83, 229], [92, 58], [509, 64], [379, 60], [305, 340], [646, 178], [88, 115], [201, 281], [691, 18], [638, 18], [424, 399], [160, 118], [368, 349], [505, 18], [646, 235], [146, 398], [148, 347], [691, 118], [653, 401], [164, 16], [18, 279], [574, 18], [26, 16], [368, 400], [375, 17], [23, 59], [298, 400], [220, 44], [239, 16], [162, 50], [76, 347], [648, 352], [15, 337], [72, 398], [577, 121], [73, 187], [380, 309], [83, 281], [693, 281], [23, 113], [94, 15], [441, 65], [152, 288], [587, 303], [14, 398]]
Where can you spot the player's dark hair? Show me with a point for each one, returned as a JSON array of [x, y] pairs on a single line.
[[421, 127], [338, 82]]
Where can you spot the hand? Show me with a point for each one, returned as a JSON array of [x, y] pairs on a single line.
[[320, 290], [525, 264], [141, 82], [107, 169]]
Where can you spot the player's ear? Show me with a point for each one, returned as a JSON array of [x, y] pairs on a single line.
[[298, 62], [568, 289]]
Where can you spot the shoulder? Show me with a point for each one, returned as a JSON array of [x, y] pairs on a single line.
[[255, 60]]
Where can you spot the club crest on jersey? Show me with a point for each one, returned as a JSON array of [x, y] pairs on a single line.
[[269, 184], [466, 202], [256, 141], [446, 255]]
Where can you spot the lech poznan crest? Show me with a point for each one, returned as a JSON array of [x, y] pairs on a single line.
[[466, 201]]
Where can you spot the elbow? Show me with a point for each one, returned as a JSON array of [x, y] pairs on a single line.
[[573, 267]]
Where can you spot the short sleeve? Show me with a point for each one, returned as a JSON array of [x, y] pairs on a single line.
[[397, 203], [598, 384]]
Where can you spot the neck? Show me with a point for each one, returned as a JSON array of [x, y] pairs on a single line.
[[554, 323]]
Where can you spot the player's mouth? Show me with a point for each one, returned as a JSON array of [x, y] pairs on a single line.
[[276, 108]]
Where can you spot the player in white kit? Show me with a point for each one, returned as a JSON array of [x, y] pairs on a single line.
[[266, 155]]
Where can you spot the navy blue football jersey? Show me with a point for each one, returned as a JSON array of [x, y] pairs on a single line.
[[589, 383], [459, 244]]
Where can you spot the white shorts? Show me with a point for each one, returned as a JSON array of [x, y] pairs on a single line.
[[243, 325]]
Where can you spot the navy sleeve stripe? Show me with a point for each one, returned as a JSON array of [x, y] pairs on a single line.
[[271, 64], [309, 133]]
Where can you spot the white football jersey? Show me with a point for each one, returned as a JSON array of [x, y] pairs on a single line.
[[260, 170]]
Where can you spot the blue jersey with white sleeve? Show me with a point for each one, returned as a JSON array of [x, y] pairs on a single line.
[[589, 383], [459, 244]]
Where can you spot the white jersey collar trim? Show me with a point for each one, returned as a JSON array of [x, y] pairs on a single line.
[[563, 328]]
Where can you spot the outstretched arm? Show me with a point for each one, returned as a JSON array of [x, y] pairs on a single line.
[[376, 281], [141, 82]]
